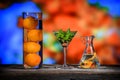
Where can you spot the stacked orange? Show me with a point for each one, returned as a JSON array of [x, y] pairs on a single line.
[[32, 36]]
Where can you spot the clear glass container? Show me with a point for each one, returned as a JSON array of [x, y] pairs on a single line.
[[65, 37], [89, 58], [32, 39]]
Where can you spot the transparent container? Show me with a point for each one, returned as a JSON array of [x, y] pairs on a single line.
[[89, 58], [32, 39], [65, 37]]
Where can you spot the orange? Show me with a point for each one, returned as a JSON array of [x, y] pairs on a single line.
[[52, 7], [31, 47], [20, 22], [32, 60], [35, 35], [68, 6], [30, 23]]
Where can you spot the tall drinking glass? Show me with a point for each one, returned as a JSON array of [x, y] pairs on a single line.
[[32, 39]]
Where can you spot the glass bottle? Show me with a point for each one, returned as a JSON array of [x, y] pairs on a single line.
[[89, 58], [32, 39]]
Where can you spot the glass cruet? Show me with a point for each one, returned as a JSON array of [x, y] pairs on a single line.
[[89, 58]]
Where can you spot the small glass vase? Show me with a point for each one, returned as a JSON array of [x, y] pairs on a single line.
[[89, 58]]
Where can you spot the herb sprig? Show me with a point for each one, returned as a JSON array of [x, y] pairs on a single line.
[[65, 36]]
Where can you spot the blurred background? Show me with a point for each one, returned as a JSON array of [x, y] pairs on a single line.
[[88, 17]]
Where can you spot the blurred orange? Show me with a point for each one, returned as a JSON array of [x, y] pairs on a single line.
[[113, 39], [75, 51], [105, 56], [68, 6], [49, 26], [65, 21], [20, 22], [52, 6]]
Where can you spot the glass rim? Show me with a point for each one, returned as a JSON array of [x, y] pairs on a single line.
[[32, 12]]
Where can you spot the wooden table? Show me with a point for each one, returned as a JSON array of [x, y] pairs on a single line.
[[102, 73]]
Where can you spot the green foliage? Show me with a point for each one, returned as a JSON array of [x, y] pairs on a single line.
[[65, 36]]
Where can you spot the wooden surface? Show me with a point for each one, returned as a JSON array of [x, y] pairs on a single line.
[[51, 73]]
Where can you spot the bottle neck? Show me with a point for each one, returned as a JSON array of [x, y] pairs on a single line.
[[89, 45]]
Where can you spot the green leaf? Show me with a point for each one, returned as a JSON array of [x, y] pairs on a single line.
[[65, 36]]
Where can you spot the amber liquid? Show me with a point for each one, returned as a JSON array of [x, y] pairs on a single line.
[[89, 61]]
